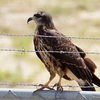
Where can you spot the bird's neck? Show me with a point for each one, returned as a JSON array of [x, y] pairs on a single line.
[[50, 26], [41, 29]]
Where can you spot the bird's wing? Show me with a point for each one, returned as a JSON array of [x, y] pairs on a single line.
[[90, 64], [82, 53], [70, 57]]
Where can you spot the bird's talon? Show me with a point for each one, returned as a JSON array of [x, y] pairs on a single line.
[[55, 85], [59, 87], [43, 86]]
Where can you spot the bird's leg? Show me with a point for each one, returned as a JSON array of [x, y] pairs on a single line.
[[46, 85], [59, 87]]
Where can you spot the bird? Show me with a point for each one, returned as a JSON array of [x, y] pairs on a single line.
[[61, 56]]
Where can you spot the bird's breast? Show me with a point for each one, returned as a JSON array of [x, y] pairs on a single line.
[[43, 52], [48, 59]]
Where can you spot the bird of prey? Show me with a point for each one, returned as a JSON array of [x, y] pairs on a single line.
[[68, 60]]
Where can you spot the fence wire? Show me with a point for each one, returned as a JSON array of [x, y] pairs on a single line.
[[23, 50], [39, 85], [35, 35]]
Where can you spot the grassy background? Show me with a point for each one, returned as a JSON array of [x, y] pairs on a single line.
[[71, 17]]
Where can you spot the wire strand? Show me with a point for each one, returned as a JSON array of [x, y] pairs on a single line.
[[29, 35], [61, 52], [39, 85]]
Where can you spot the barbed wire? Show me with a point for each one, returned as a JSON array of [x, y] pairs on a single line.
[[39, 85], [29, 35], [23, 50]]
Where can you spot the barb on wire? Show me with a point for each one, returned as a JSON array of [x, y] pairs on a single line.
[[28, 35], [23, 51]]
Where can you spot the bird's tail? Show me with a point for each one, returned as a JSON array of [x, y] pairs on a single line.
[[87, 87], [96, 80], [91, 66]]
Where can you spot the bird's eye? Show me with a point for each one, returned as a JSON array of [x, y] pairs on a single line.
[[37, 15]]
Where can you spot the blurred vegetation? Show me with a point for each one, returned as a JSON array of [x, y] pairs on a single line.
[[71, 17], [11, 77]]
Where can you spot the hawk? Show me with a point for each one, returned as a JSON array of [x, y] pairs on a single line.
[[67, 60]]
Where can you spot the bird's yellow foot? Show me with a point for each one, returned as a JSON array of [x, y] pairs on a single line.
[[59, 87], [43, 86]]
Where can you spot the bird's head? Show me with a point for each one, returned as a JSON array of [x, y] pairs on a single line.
[[42, 18]]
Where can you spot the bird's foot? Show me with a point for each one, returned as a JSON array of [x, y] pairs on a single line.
[[59, 87], [43, 86]]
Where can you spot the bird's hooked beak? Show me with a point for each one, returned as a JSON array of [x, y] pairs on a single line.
[[29, 19]]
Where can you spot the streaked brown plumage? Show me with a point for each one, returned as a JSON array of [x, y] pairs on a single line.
[[70, 66]]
